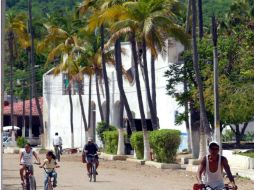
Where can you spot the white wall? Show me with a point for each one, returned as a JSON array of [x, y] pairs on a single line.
[[56, 106]]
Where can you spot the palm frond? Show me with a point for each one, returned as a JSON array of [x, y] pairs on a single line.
[[117, 35]]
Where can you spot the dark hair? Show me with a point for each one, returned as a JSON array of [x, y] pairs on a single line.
[[214, 145], [56, 133], [28, 144], [50, 153]]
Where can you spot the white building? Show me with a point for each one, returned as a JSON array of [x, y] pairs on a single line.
[[56, 110]]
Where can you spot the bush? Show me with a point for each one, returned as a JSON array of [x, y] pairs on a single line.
[[165, 143], [137, 143], [228, 135], [101, 128], [111, 141], [21, 142], [248, 136]]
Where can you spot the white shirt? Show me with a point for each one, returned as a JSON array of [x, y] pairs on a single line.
[[57, 141], [214, 179], [27, 158]]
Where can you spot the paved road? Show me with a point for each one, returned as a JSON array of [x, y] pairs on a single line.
[[113, 175]]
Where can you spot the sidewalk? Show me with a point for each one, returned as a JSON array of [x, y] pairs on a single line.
[[244, 173]]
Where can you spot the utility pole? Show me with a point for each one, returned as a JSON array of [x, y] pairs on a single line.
[[2, 8], [23, 115], [216, 85]]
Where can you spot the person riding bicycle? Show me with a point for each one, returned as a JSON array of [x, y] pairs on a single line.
[[50, 164], [26, 159], [57, 143], [90, 149], [212, 167]]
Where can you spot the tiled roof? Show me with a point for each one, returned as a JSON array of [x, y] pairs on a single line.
[[18, 108]]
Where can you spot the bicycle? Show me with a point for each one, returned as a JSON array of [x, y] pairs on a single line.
[[92, 172], [50, 180], [207, 187], [29, 179], [57, 152]]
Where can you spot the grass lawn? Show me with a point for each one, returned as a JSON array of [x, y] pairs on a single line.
[[249, 154]]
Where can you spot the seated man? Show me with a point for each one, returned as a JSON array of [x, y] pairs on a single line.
[[90, 149], [212, 167]]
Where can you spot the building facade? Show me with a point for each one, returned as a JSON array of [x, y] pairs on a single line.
[[56, 108]]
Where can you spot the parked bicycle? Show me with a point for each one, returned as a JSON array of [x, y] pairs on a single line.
[[207, 187], [92, 172], [29, 179]]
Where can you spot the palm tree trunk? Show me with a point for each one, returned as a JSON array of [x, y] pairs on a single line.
[[30, 96], [186, 110], [185, 86], [195, 129], [10, 43], [154, 89], [200, 19], [82, 105], [147, 85], [187, 27], [98, 95], [71, 118], [118, 67], [139, 96], [120, 146], [203, 117], [32, 66], [89, 103], [105, 77], [23, 114]]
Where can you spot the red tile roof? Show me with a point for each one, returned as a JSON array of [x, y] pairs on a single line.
[[18, 108]]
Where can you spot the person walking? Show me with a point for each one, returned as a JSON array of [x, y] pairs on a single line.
[[57, 143]]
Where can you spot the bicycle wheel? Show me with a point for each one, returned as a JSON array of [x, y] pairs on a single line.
[[27, 186], [91, 173], [49, 185], [94, 172], [32, 183]]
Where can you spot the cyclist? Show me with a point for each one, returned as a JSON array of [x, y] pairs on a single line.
[[212, 167], [50, 163], [26, 159], [90, 148]]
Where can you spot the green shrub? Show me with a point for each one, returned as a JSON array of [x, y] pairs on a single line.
[[137, 143], [21, 142], [101, 128], [248, 136], [165, 143], [228, 135], [111, 141]]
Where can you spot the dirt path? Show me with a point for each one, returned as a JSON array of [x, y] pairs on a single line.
[[113, 175]]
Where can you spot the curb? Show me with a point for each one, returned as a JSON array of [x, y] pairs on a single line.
[[163, 165], [112, 157], [141, 162]]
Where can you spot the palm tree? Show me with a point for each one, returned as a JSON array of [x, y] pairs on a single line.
[[204, 125], [32, 55], [67, 47], [16, 33], [123, 98], [93, 5], [146, 21]]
